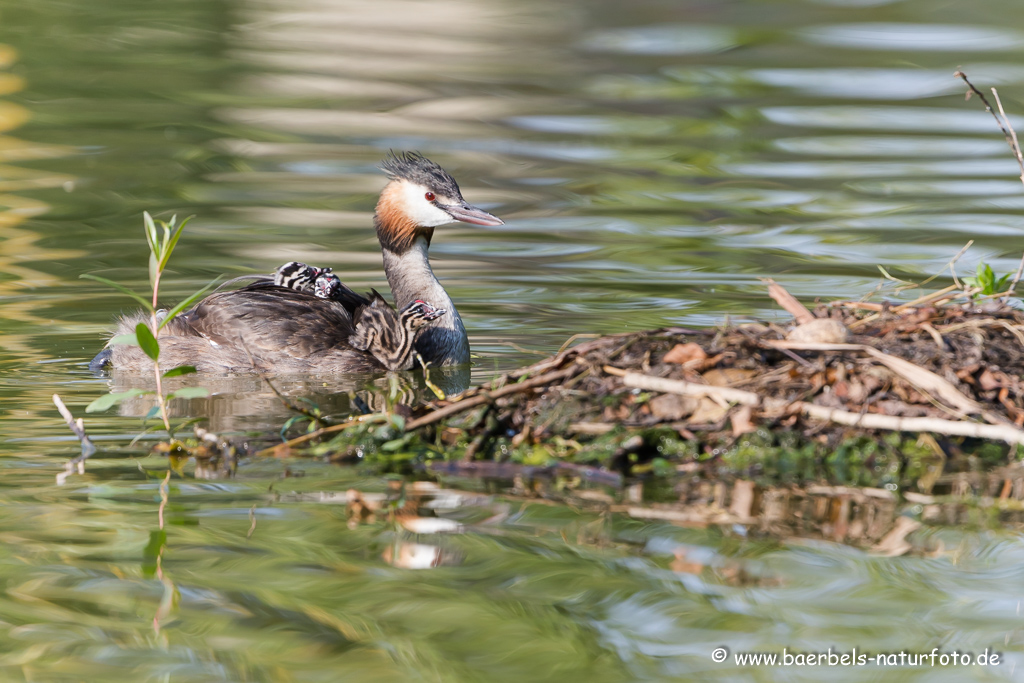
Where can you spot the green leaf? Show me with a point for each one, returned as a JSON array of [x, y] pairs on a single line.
[[128, 339], [986, 278], [187, 302], [154, 269], [396, 444], [167, 234], [173, 241], [120, 288], [147, 342], [181, 370], [150, 228], [107, 400], [191, 392], [153, 412]]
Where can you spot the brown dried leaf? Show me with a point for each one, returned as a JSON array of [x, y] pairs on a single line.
[[966, 373], [707, 412], [727, 377], [856, 392], [672, 406], [685, 353], [742, 422], [988, 380], [820, 330]]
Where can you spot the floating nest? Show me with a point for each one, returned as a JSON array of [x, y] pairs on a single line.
[[854, 393]]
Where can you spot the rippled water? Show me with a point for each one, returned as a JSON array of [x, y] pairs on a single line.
[[652, 161]]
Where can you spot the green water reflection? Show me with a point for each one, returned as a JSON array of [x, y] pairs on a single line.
[[652, 161]]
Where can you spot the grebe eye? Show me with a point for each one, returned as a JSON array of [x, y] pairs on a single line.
[[430, 196]]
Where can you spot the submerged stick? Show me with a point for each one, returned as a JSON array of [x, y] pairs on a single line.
[[78, 429]]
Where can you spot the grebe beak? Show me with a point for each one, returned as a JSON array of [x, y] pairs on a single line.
[[470, 214]]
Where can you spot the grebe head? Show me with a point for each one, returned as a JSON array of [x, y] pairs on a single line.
[[420, 197], [419, 313]]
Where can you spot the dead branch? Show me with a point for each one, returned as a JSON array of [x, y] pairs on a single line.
[[1014, 145], [1002, 432], [684, 388], [78, 429], [1016, 278], [285, 445], [788, 302], [1003, 122], [459, 406]]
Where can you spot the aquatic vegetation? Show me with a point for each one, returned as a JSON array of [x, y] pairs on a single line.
[[161, 243]]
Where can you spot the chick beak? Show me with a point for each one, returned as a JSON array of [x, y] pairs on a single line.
[[470, 214]]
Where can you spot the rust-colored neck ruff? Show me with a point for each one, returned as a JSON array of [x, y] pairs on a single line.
[[396, 230]]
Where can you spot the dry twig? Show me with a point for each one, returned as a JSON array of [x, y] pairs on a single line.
[[78, 429], [923, 379], [1001, 120], [284, 446], [788, 302], [1012, 289], [459, 406], [1002, 432]]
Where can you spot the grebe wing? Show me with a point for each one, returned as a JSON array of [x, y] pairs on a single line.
[[269, 319]]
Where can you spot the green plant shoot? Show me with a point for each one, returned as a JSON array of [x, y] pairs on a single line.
[[986, 281], [162, 237]]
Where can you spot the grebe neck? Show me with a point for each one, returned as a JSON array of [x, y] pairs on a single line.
[[443, 341]]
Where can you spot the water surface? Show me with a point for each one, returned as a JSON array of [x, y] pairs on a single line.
[[652, 160]]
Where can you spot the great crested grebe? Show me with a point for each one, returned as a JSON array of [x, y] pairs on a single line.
[[286, 329]]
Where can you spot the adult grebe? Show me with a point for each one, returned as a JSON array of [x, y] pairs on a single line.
[[289, 330]]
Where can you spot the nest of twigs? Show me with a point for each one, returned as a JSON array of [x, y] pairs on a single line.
[[946, 366]]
